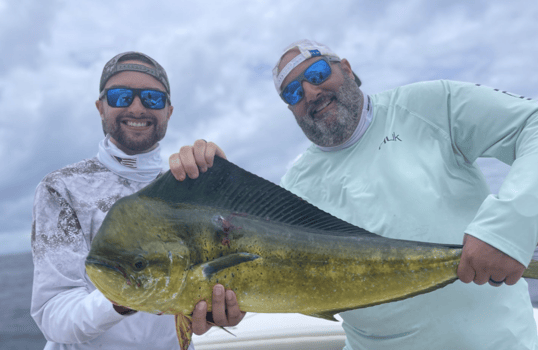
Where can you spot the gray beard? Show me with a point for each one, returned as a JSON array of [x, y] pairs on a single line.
[[116, 132], [334, 127]]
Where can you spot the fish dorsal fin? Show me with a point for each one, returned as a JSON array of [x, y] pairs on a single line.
[[227, 186]]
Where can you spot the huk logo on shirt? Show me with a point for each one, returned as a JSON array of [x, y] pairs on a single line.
[[511, 94], [389, 139], [128, 162]]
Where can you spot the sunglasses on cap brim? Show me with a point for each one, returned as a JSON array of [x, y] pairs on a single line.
[[121, 97], [317, 73]]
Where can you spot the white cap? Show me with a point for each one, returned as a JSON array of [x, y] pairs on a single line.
[[308, 49]]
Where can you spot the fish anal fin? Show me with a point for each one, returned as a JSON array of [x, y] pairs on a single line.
[[210, 268], [328, 315], [184, 331]]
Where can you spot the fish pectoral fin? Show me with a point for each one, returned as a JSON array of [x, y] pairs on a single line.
[[329, 315], [184, 331], [210, 268]]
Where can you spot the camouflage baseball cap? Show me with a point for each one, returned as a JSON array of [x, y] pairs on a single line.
[[114, 66]]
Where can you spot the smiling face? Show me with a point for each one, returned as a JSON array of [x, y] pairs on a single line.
[[329, 113], [134, 129]]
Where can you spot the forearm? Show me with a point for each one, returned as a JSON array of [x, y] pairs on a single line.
[[62, 305], [74, 316], [487, 123], [509, 220]]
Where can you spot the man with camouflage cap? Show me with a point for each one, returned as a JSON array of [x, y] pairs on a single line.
[[71, 203]]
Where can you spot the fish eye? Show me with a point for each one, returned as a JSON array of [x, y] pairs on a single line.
[[139, 264]]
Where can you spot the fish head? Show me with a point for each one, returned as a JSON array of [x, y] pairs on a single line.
[[136, 259]]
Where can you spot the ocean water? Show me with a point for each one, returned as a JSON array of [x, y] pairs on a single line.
[[18, 330], [15, 242]]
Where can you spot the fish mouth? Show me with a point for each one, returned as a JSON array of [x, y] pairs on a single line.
[[109, 265], [102, 262]]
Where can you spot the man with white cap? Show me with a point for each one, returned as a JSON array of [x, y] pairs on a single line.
[[401, 164]]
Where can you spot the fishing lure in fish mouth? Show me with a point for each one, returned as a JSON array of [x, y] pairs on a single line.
[[162, 249]]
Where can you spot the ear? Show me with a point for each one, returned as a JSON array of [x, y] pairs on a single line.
[[100, 108], [346, 67], [170, 110]]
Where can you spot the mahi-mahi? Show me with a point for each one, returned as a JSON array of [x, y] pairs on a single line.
[[162, 249]]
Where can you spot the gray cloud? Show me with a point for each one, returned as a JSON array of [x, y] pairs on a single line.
[[219, 58], [25, 26]]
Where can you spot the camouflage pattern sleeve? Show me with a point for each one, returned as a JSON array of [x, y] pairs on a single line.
[[65, 305]]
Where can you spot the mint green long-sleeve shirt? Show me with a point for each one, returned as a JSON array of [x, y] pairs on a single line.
[[413, 176]]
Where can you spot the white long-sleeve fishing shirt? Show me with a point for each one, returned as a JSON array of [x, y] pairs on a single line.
[[70, 205], [413, 176]]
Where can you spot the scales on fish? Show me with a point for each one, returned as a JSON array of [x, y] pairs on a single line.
[[162, 249]]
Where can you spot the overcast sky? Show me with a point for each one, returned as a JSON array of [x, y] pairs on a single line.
[[219, 56]]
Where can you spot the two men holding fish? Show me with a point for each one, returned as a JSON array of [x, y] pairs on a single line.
[[401, 164], [70, 204], [398, 163]]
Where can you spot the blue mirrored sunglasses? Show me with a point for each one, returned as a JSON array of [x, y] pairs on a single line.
[[316, 74], [124, 97]]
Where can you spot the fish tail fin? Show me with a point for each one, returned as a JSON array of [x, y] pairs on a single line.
[[532, 270], [184, 331]]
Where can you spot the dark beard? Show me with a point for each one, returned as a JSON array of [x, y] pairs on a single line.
[[117, 133], [347, 114]]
